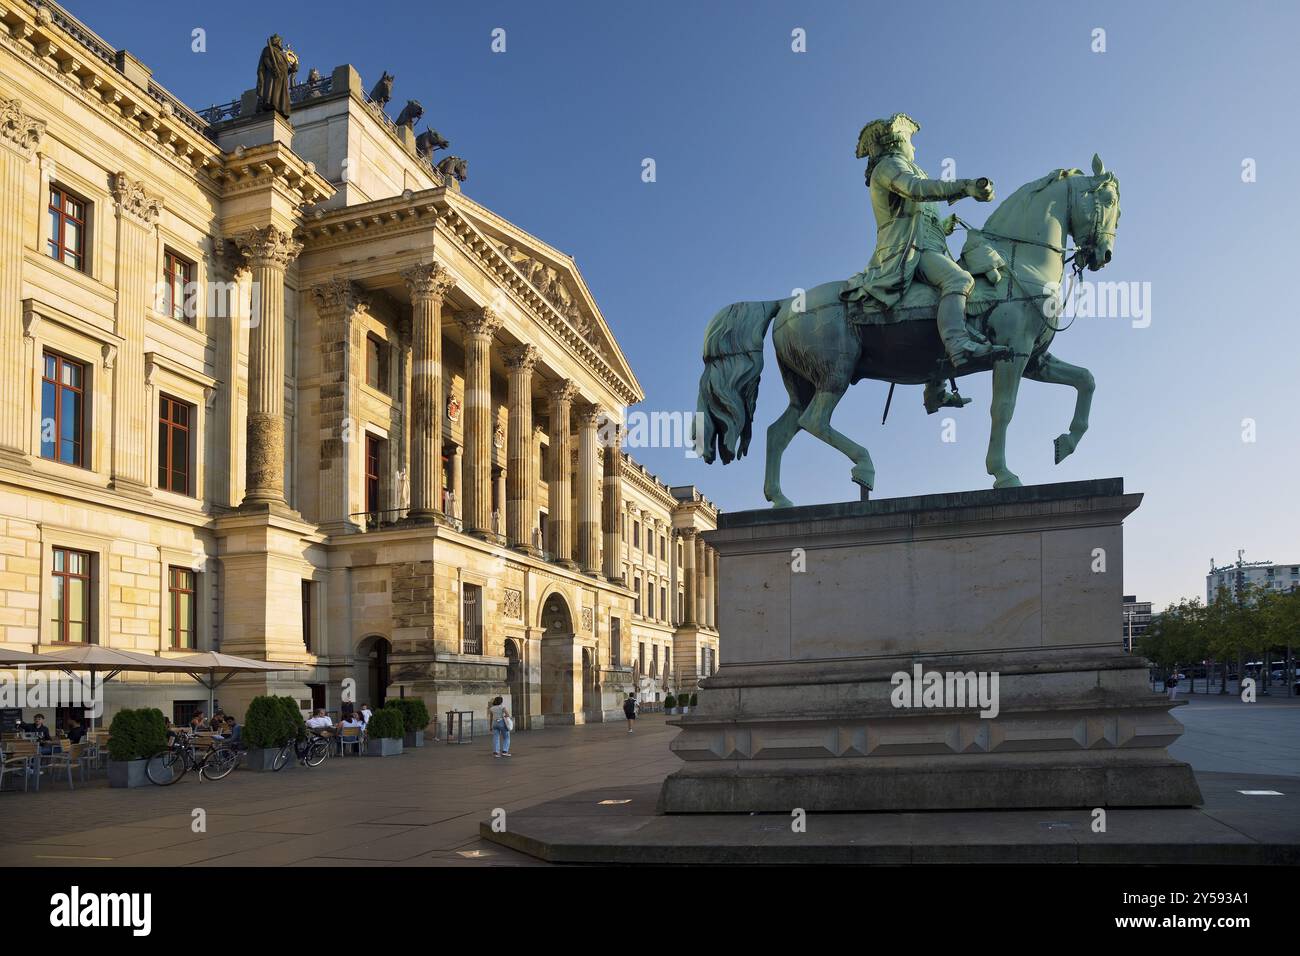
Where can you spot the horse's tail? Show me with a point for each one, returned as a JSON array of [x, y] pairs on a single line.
[[733, 362]]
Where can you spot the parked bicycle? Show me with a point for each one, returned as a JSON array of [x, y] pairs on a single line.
[[310, 750], [181, 756]]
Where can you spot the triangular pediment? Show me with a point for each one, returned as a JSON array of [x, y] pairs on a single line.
[[555, 277]]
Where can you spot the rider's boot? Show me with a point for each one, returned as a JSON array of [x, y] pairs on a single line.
[[961, 344], [937, 397]]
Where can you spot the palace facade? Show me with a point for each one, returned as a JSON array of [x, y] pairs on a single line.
[[275, 385]]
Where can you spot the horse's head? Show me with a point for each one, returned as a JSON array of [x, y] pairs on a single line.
[[1094, 216]]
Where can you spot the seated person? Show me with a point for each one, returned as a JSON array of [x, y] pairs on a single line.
[[233, 730], [39, 732], [319, 721], [76, 732], [353, 722], [198, 722]]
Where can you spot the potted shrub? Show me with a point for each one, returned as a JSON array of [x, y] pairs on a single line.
[[269, 722], [670, 704], [134, 737], [415, 717], [384, 733]]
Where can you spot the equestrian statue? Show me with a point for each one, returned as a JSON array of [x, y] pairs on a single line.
[[916, 316]]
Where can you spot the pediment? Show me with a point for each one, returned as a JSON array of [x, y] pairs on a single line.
[[555, 277]]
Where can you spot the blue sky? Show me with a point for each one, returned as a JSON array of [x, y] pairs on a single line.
[[758, 192]]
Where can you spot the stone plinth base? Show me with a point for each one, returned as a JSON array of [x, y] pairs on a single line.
[[1011, 597]]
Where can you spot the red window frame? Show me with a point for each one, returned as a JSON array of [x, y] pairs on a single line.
[[374, 474], [78, 441], [178, 273], [64, 619], [66, 207], [181, 581], [174, 425]]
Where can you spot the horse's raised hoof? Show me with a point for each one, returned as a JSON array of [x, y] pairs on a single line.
[[1064, 447], [1007, 481], [866, 477]]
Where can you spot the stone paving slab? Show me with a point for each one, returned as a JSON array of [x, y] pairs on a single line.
[[1230, 829]]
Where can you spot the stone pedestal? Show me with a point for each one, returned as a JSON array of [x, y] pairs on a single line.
[[825, 607]]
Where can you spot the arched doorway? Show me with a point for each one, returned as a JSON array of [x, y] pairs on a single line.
[[373, 675], [515, 680], [558, 691]]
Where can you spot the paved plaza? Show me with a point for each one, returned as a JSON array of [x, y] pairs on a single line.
[[424, 808]]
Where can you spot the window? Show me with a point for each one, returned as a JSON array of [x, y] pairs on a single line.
[[663, 548], [174, 422], [663, 603], [649, 599], [636, 534], [377, 363], [306, 615], [668, 662], [640, 658], [178, 279], [615, 641], [637, 586], [67, 228], [471, 605], [70, 588], [180, 596], [544, 461], [376, 451], [63, 410]]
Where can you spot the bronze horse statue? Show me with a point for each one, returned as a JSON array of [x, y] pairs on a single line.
[[824, 345]]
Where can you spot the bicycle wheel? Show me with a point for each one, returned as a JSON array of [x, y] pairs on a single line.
[[317, 753], [282, 758], [166, 767], [220, 762]]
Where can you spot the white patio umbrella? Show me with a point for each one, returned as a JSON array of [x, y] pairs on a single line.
[[205, 667], [104, 663], [21, 658]]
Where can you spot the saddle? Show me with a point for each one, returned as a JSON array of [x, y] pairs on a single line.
[[921, 300]]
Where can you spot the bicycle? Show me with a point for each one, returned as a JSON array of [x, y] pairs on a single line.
[[311, 751], [180, 757]]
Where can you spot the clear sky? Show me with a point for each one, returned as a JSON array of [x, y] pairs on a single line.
[[758, 192]]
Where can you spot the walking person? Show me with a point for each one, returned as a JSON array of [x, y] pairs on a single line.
[[502, 724], [629, 710]]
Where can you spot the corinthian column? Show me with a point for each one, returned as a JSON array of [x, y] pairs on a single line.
[[688, 577], [338, 303], [589, 416], [137, 216], [701, 576], [20, 135], [479, 328], [559, 524], [269, 251], [521, 468], [428, 284], [612, 507]]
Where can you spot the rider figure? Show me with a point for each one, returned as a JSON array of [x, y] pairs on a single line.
[[910, 237]]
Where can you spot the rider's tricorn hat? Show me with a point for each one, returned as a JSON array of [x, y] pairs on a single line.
[[878, 136]]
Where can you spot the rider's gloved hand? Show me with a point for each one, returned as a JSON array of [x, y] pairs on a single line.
[[979, 189]]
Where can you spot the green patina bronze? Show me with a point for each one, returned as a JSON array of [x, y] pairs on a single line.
[[914, 315]]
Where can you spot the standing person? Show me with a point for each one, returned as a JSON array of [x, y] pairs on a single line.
[[1172, 684], [500, 719], [629, 710], [366, 714]]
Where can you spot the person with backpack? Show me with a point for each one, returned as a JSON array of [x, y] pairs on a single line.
[[629, 710]]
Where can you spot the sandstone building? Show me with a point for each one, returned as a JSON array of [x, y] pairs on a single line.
[[276, 386]]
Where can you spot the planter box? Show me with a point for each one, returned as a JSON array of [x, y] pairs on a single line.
[[261, 758], [414, 738], [383, 747], [128, 773]]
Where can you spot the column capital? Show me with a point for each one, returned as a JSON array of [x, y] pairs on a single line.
[[687, 533], [19, 131], [428, 281], [522, 358], [268, 246], [589, 416], [484, 321], [338, 296], [132, 199], [564, 390]]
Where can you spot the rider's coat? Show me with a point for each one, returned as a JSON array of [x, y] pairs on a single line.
[[907, 226]]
